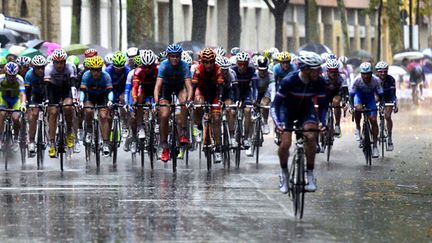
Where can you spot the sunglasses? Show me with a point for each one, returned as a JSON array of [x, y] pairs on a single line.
[[242, 64], [174, 56], [95, 69], [208, 62]]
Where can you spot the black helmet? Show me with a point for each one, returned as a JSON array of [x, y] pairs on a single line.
[[262, 63]]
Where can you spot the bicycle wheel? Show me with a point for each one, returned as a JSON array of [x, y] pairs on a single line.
[[174, 148], [141, 147], [367, 150], [298, 183], [96, 142], [151, 146], [382, 138], [225, 144], [40, 144], [330, 137], [60, 142], [238, 139], [7, 138], [115, 141], [23, 140]]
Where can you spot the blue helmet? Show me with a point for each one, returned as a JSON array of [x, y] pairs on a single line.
[[11, 68], [174, 48], [366, 67], [332, 57]]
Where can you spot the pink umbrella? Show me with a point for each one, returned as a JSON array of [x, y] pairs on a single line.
[[48, 47]]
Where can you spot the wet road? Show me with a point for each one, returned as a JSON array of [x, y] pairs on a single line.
[[390, 202]]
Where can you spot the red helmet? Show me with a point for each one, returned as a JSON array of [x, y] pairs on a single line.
[[208, 55], [59, 55], [90, 52]]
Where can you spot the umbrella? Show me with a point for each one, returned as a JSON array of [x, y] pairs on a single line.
[[8, 36], [410, 55], [354, 61], [35, 43], [75, 49], [427, 52], [4, 52], [363, 55], [48, 47], [395, 70], [31, 52], [194, 46], [102, 51], [16, 50], [315, 47], [157, 47]]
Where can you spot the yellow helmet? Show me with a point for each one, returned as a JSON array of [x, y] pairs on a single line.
[[284, 56], [95, 62]]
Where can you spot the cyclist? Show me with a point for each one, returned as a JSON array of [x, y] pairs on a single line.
[[363, 92], [283, 68], [264, 89], [294, 101], [12, 96], [208, 84], [61, 81], [108, 59], [388, 84], [335, 90], [131, 53], [173, 77], [220, 51], [345, 70], [242, 85], [119, 72], [35, 91], [96, 89], [24, 65], [416, 78], [3, 62]]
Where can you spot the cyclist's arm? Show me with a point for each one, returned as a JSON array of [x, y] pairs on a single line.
[[189, 88], [157, 89]]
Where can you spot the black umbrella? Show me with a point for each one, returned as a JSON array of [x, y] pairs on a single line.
[[9, 37], [156, 47], [362, 55], [194, 46], [35, 43], [315, 47], [102, 51]]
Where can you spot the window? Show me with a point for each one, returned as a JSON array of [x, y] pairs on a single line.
[[23, 9]]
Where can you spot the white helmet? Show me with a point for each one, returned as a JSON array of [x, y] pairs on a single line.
[[332, 64], [366, 67], [131, 52], [381, 66], [108, 58], [309, 60], [242, 57], [186, 57], [343, 59], [223, 62], [39, 61], [220, 51], [147, 57]]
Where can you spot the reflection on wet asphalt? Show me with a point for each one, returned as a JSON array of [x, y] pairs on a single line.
[[389, 202]]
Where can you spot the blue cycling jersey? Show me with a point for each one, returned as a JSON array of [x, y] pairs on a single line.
[[96, 86], [366, 92], [389, 89], [296, 96], [173, 75], [279, 73], [36, 83], [118, 79]]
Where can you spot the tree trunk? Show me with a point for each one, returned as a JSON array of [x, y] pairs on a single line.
[[396, 27], [171, 22], [140, 22], [311, 24], [379, 30], [199, 20], [120, 25], [234, 26], [346, 40], [76, 20], [279, 19]]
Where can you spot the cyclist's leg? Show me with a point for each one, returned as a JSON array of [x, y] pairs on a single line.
[[3, 105], [387, 115], [248, 117], [69, 114], [310, 121], [337, 111], [88, 115], [16, 116], [138, 116], [230, 115], [164, 112], [358, 104], [32, 117], [182, 94], [104, 123], [198, 112], [265, 112], [216, 124]]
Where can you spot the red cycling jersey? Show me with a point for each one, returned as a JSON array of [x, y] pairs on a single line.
[[143, 84]]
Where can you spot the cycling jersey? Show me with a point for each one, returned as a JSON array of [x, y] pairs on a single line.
[[279, 73], [294, 101], [93, 86], [10, 91], [334, 86], [143, 83], [173, 75], [364, 94], [227, 92], [389, 89], [59, 83], [118, 80], [207, 82], [35, 87], [264, 86], [243, 84]]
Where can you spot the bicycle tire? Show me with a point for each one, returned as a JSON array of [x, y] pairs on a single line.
[[226, 146], [23, 139], [6, 143], [367, 144], [298, 183], [141, 149], [151, 146], [96, 142], [330, 137], [61, 143], [173, 149], [382, 137], [238, 139], [40, 144], [115, 142]]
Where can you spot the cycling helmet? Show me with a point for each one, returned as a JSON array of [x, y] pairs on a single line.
[[118, 59], [284, 56], [137, 60], [262, 63], [255, 60], [207, 54], [273, 50], [332, 64], [90, 52], [39, 61], [11, 68], [3, 60], [95, 62], [174, 48], [73, 60], [223, 62], [332, 56], [365, 67], [220, 51], [148, 57], [23, 61], [108, 58], [187, 58], [234, 51], [242, 57], [131, 52], [86, 62], [162, 54], [59, 55], [381, 66], [309, 60], [343, 59]]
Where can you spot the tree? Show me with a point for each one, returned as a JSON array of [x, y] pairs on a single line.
[[277, 8], [140, 22], [342, 11], [76, 20], [199, 20], [234, 26], [311, 22]]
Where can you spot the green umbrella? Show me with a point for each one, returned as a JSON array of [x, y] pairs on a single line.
[[4, 52], [30, 52], [75, 49]]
